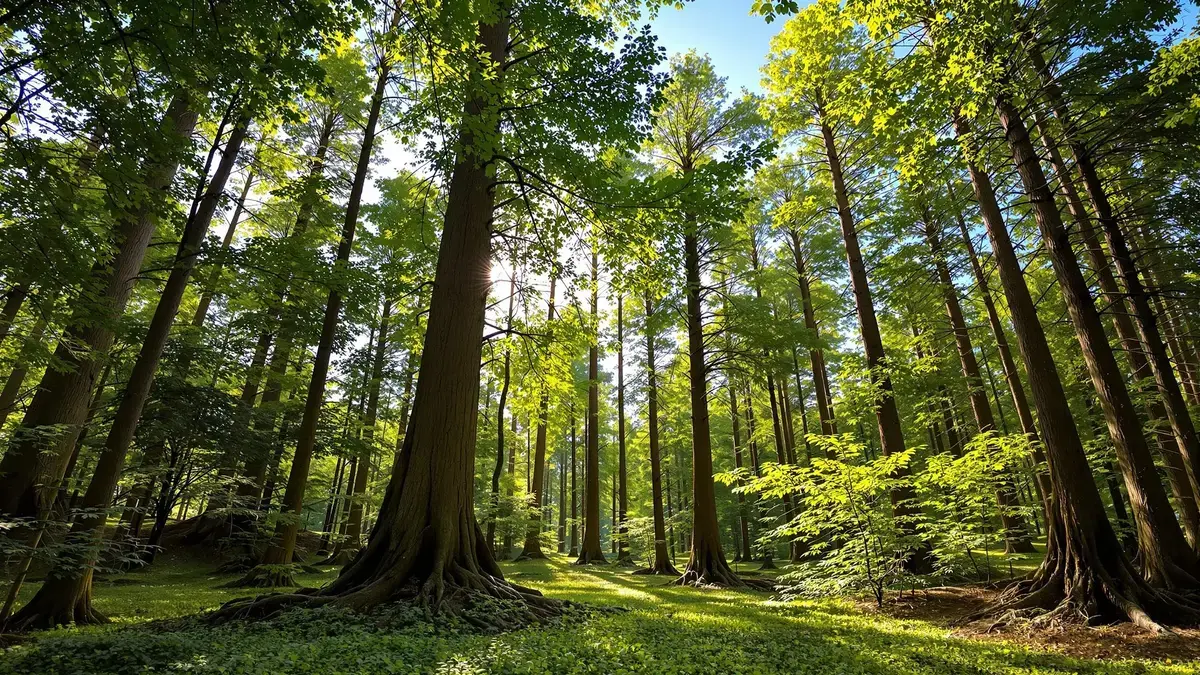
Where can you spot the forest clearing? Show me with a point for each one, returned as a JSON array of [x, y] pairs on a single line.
[[600, 336]]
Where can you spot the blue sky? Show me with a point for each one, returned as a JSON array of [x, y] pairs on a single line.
[[725, 30]]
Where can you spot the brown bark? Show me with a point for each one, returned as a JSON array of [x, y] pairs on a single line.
[[1165, 556], [623, 557], [533, 536], [13, 300], [887, 415], [1016, 533], [574, 549], [706, 564], [498, 469], [33, 465], [816, 354], [590, 550], [1085, 570], [661, 563]]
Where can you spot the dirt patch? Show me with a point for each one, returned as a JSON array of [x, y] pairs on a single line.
[[947, 606]]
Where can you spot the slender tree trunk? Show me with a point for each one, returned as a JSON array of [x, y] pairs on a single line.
[[816, 354], [574, 550], [214, 275], [623, 557], [706, 564], [283, 544], [13, 300], [662, 561], [1174, 444], [887, 415], [591, 552], [1016, 536], [533, 536]]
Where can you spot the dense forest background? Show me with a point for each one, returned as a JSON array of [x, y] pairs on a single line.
[[395, 292]]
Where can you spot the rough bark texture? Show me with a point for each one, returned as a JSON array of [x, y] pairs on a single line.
[[34, 464], [706, 565], [1085, 573], [590, 550], [1164, 554], [1178, 440], [426, 546], [1016, 533]]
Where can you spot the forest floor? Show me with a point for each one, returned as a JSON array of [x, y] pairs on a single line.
[[668, 629]]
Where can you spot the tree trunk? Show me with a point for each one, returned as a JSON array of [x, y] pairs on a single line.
[[1164, 554], [574, 549], [355, 522], [816, 354], [13, 300], [214, 274], [498, 469], [623, 557], [283, 544], [706, 564], [661, 563], [591, 552], [426, 545], [533, 536], [1016, 533], [33, 465], [1179, 443], [887, 415], [1085, 570]]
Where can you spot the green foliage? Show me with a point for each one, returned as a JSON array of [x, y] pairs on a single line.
[[666, 630]]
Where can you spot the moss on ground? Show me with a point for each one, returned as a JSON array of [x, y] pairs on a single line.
[[668, 629]]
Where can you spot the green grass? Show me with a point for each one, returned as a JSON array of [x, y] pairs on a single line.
[[666, 630]]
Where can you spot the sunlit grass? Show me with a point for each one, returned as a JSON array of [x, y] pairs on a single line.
[[667, 629]]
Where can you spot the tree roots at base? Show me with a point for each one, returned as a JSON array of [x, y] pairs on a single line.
[[487, 603], [1092, 596], [266, 576]]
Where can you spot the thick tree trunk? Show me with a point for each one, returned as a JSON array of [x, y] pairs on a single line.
[[1085, 571], [533, 536], [1164, 554], [426, 545], [33, 465], [591, 551], [661, 563], [1173, 447]]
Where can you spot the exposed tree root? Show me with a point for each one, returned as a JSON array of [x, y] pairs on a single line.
[[625, 560], [266, 576], [60, 602], [767, 564], [530, 555], [338, 558], [1083, 583], [590, 558], [666, 569], [709, 570]]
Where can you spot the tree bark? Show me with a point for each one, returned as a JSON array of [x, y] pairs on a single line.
[[816, 354], [533, 536], [887, 415], [591, 552], [1016, 533], [1164, 554], [661, 562], [33, 465], [283, 544], [1085, 570]]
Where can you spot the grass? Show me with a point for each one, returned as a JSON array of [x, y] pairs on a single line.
[[666, 630]]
